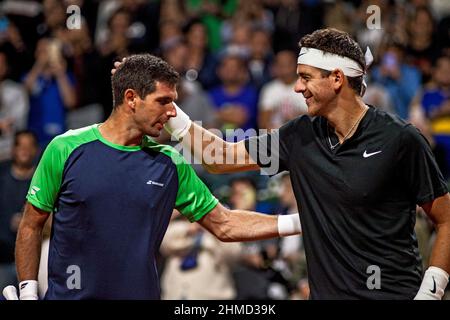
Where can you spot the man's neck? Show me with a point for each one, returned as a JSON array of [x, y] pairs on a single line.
[[118, 131], [345, 116]]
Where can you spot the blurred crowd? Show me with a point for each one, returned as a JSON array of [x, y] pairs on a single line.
[[237, 59]]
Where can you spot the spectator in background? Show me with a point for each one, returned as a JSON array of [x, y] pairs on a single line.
[[52, 90], [422, 48], [12, 45], [15, 177], [400, 80], [279, 102], [114, 47], [293, 19], [13, 108], [211, 13], [258, 276], [292, 251], [117, 42], [430, 112], [191, 97], [200, 59], [197, 265], [235, 99], [84, 60], [143, 18], [54, 17], [261, 57]]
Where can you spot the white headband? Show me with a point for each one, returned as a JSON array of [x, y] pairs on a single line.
[[330, 61]]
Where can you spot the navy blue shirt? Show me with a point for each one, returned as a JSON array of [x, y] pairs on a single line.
[[111, 206]]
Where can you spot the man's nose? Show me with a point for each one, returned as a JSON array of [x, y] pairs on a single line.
[[299, 86]]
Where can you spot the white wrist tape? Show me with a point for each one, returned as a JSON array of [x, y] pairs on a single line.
[[10, 293], [289, 225], [28, 290], [433, 284], [178, 126]]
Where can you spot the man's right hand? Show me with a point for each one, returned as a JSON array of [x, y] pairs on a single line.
[[28, 291], [10, 293]]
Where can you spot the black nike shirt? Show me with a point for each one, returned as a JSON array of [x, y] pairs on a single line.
[[357, 202]]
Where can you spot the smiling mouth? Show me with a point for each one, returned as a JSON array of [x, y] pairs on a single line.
[[308, 99]]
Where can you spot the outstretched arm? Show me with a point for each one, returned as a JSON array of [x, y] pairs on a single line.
[[217, 155], [241, 225]]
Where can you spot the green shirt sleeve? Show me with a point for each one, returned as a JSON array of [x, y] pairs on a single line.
[[194, 200], [47, 178]]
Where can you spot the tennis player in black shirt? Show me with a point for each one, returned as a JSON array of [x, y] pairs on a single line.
[[358, 174]]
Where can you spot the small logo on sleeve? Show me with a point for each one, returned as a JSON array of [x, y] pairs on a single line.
[[34, 190], [159, 184]]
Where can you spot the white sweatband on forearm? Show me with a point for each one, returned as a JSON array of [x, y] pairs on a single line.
[[10, 293], [433, 284], [178, 126], [289, 225], [28, 290]]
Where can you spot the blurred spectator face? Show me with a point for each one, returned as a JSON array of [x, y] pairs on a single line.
[[119, 23], [54, 13], [196, 36], [3, 65], [25, 150], [422, 24], [241, 34], [260, 44], [442, 72], [232, 71], [176, 56], [243, 195], [79, 39], [169, 30], [285, 66]]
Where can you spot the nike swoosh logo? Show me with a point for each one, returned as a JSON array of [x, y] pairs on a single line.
[[434, 286], [366, 155]]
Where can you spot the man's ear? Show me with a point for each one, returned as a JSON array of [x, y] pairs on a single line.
[[130, 98], [338, 79]]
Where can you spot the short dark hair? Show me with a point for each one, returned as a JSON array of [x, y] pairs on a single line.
[[340, 43], [140, 72]]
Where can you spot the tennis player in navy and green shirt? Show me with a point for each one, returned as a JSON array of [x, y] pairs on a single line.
[[111, 190]]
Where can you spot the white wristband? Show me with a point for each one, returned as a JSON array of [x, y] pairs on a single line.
[[10, 293], [289, 225], [178, 126], [433, 284], [28, 290]]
